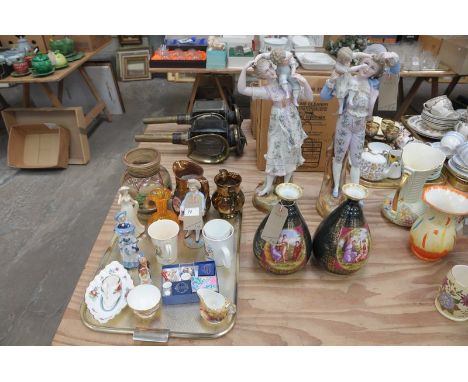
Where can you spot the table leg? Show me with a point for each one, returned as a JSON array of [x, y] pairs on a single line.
[[100, 106], [409, 98], [26, 95], [52, 97], [60, 90], [193, 94], [401, 91], [434, 87], [452, 85], [220, 90]]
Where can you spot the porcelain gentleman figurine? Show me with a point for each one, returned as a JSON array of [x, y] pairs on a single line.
[[129, 205], [285, 133], [360, 96], [192, 210], [128, 243]]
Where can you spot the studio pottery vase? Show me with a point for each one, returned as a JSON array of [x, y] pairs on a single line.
[[342, 241], [293, 248]]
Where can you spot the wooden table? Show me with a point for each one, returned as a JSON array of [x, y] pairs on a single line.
[[405, 101], [388, 302], [59, 76]]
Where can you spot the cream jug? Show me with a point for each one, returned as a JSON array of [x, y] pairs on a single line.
[[406, 205]]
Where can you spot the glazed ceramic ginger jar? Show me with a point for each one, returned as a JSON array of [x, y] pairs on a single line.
[[433, 235], [293, 248], [342, 241]]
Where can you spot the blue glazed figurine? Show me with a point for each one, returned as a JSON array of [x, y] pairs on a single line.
[[128, 244]]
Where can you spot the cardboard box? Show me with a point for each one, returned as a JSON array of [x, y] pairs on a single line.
[[83, 43], [454, 53], [38, 146], [318, 121], [71, 118]]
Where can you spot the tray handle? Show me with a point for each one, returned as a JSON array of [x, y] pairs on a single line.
[[151, 335]]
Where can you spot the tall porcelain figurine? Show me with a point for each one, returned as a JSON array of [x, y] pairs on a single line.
[[285, 133], [129, 205], [360, 93], [128, 243]]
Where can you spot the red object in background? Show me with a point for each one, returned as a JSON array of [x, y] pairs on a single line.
[[21, 67], [28, 59], [175, 55]]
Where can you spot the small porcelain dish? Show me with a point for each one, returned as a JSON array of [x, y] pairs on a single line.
[[105, 295]]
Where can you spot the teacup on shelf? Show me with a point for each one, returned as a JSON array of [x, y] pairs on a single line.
[[390, 130]]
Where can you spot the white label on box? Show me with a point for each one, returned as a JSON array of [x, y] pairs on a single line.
[[192, 212]]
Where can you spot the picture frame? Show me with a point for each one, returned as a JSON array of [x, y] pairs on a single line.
[[134, 65], [130, 40]]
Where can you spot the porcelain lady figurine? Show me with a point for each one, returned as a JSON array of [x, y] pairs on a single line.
[[360, 96], [128, 243], [130, 206], [285, 133], [192, 210]]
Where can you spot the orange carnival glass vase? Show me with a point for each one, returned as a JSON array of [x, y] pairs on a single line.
[[433, 235], [160, 197]]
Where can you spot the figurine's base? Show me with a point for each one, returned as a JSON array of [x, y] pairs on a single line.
[[264, 203], [192, 243], [326, 203]]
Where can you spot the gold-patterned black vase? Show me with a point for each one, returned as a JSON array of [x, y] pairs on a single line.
[[342, 241]]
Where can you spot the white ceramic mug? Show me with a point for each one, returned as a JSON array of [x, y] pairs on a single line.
[[452, 299], [163, 234], [218, 235]]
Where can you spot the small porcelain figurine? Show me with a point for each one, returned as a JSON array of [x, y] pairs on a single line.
[[130, 206], [342, 73], [286, 67], [144, 271], [192, 210], [361, 93], [285, 133], [128, 243]]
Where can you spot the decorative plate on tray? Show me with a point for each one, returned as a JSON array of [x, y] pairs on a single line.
[[106, 295], [416, 123]]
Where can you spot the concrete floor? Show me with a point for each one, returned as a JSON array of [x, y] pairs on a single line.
[[51, 218]]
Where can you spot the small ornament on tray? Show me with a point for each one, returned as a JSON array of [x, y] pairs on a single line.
[[144, 271]]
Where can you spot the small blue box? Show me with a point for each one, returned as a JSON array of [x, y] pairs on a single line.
[[216, 59], [181, 291]]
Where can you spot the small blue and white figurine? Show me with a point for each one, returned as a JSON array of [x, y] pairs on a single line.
[[128, 244]]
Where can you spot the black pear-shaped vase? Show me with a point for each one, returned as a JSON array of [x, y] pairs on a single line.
[[342, 240], [293, 249]]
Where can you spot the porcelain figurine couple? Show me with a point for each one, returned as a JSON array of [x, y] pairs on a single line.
[[356, 95], [285, 134]]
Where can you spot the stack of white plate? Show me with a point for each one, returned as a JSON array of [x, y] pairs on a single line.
[[438, 123], [457, 164], [438, 114]]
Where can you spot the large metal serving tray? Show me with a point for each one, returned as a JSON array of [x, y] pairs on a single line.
[[171, 321]]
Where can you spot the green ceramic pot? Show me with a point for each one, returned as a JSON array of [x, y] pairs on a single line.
[[65, 46], [41, 64], [60, 59]]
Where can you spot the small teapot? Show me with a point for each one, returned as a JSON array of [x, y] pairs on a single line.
[[375, 167]]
